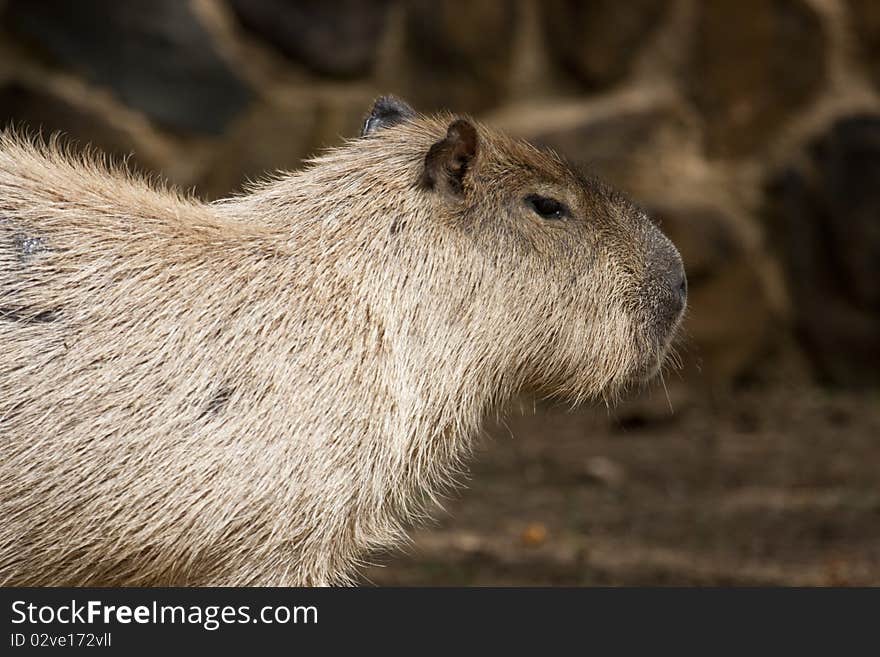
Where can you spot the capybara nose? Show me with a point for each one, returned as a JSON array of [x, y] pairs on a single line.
[[668, 286]]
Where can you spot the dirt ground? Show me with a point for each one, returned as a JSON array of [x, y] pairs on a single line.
[[773, 487]]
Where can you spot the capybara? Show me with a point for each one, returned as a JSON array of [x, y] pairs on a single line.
[[264, 389]]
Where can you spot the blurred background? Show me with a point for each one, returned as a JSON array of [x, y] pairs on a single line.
[[749, 128]]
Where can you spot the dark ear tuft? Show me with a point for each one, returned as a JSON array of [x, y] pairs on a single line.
[[387, 111], [448, 161]]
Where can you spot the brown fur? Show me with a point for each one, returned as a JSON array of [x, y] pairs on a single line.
[[263, 390]]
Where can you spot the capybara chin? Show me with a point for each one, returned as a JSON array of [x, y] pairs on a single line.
[[262, 390]]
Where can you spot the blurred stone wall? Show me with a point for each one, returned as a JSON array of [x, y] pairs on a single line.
[[750, 128]]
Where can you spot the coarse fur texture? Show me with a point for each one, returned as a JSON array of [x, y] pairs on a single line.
[[262, 390]]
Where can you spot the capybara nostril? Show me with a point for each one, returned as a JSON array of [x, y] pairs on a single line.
[[677, 291], [683, 289]]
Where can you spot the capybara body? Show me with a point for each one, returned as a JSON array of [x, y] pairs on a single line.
[[262, 390]]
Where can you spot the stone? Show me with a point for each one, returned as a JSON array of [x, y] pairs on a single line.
[[753, 65], [534, 535], [458, 55], [338, 39], [270, 137], [610, 145], [604, 471], [596, 41], [824, 218], [35, 110], [154, 55], [865, 22], [730, 324]]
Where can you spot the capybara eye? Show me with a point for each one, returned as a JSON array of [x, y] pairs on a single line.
[[546, 207]]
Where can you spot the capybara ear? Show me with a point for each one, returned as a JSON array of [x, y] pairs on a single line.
[[387, 111], [449, 160]]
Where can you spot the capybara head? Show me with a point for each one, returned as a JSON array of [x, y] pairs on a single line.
[[569, 275]]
